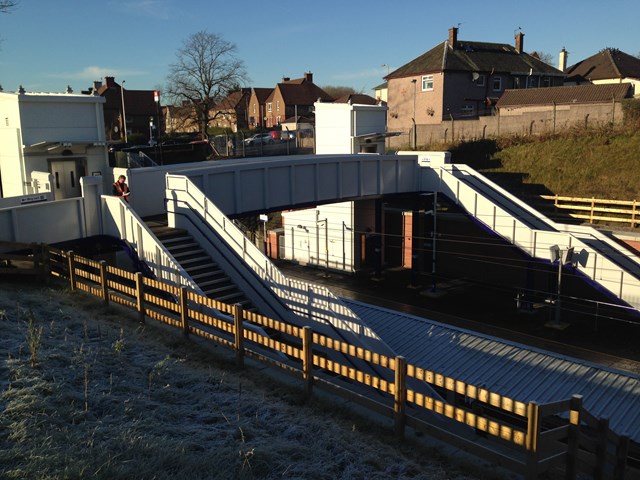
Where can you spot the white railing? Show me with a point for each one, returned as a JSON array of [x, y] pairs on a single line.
[[120, 220], [594, 263], [313, 301]]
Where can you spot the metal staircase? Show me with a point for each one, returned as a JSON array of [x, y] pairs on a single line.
[[202, 269]]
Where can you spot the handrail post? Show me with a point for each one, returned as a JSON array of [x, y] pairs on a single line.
[[103, 282], [72, 273], [140, 296], [533, 432], [184, 310], [307, 360], [621, 456], [593, 204], [400, 395], [633, 213], [239, 334], [601, 448], [574, 432]]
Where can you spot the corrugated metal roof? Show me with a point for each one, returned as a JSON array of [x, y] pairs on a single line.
[[517, 371]]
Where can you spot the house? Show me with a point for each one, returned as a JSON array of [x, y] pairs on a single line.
[[58, 134], [179, 119], [292, 98], [462, 79], [258, 107], [609, 65], [232, 112], [140, 107], [381, 92]]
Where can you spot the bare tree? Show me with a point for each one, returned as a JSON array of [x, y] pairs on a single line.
[[337, 91], [205, 71]]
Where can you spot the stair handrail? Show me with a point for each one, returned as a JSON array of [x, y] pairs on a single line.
[[318, 297], [535, 242]]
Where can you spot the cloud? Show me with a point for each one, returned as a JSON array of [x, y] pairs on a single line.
[[92, 73], [158, 9]]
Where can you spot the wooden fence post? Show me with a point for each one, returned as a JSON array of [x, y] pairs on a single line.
[[400, 396], [239, 334], [72, 273], [575, 413], [601, 448], [184, 310], [633, 214], [533, 432], [103, 282], [307, 360], [621, 456], [593, 206], [140, 296]]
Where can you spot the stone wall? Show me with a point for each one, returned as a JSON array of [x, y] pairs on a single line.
[[515, 121]]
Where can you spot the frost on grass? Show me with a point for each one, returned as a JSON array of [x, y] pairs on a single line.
[[110, 399]]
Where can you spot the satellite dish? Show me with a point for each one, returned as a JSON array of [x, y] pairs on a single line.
[[475, 76]]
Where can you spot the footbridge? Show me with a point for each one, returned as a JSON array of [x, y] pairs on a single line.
[[280, 183]]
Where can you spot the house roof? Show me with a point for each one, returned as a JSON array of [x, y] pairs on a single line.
[[357, 98], [306, 93], [481, 57], [262, 94], [232, 101], [565, 95], [606, 64]]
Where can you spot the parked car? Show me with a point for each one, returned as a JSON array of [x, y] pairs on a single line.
[[288, 135], [259, 138]]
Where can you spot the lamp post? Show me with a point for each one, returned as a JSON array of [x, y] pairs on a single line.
[[326, 240], [563, 257], [413, 119], [344, 250], [124, 114]]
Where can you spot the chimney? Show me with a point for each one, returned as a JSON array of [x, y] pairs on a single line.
[[562, 60], [286, 79], [519, 42], [453, 37], [97, 84], [308, 77], [109, 81]]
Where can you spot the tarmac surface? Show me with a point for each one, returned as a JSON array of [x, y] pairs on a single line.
[[483, 309]]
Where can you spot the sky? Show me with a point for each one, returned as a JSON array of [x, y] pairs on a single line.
[[46, 45]]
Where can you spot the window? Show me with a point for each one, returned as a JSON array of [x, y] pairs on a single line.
[[532, 82], [497, 84], [254, 108], [467, 110], [278, 119], [278, 105], [427, 83], [481, 80], [546, 81], [269, 107]]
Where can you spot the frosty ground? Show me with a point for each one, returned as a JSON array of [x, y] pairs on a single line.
[[87, 392]]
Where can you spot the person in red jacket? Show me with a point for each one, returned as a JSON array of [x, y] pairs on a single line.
[[121, 189]]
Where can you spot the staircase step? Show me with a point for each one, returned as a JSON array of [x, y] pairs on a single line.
[[224, 288], [231, 296], [204, 284]]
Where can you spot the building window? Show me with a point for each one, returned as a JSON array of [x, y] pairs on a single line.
[[278, 105], [481, 80], [427, 83], [269, 107], [497, 84], [546, 81], [254, 108], [467, 110], [532, 82], [278, 119]]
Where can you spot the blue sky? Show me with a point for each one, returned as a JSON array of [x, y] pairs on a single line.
[[48, 44]]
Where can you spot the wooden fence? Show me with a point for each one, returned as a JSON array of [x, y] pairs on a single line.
[[598, 210], [23, 259], [526, 438]]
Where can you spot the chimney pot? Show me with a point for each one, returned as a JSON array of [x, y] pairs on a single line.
[[453, 37], [308, 77]]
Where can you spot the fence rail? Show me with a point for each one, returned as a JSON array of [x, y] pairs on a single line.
[[598, 210], [23, 259], [537, 437]]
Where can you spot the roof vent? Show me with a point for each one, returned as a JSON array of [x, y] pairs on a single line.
[[21, 90]]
